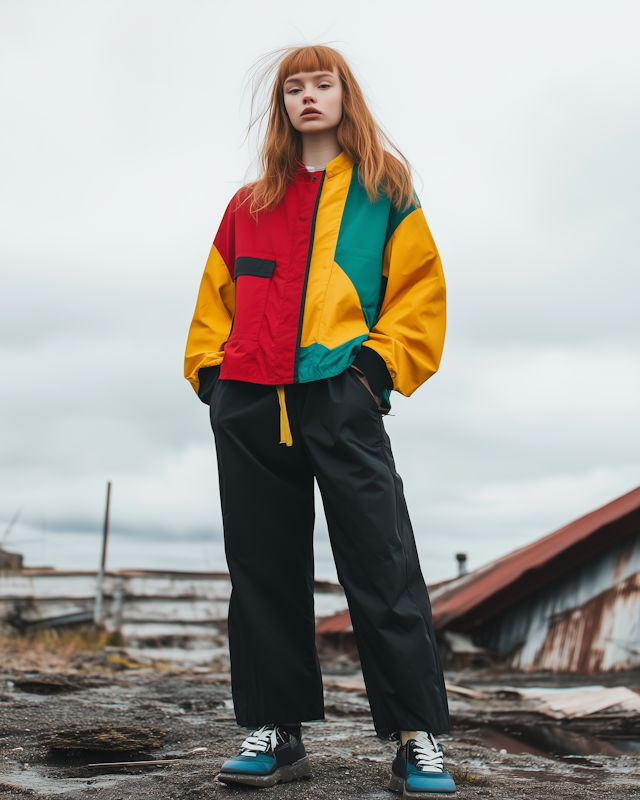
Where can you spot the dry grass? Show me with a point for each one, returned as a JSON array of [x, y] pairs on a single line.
[[463, 777], [52, 650]]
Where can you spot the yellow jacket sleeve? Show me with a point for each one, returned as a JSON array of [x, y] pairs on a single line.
[[211, 323], [409, 332]]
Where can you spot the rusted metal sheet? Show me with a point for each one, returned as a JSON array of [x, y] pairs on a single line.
[[601, 635], [586, 621]]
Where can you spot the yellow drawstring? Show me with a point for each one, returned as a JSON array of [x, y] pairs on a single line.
[[285, 429]]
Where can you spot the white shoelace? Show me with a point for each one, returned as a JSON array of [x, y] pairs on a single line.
[[259, 741], [428, 754]]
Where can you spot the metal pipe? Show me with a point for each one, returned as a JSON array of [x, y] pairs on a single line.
[[462, 564], [97, 611]]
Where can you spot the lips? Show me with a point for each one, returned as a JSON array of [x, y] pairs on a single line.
[[309, 111]]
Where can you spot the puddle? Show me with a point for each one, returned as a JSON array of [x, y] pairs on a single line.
[[628, 747], [506, 740], [552, 741], [544, 776], [32, 779], [50, 778]]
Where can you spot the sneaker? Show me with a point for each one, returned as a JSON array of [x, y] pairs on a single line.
[[268, 756], [418, 770]]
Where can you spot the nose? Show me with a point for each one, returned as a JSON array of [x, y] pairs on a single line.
[[309, 97]]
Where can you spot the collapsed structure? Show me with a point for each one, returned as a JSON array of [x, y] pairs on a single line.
[[569, 602]]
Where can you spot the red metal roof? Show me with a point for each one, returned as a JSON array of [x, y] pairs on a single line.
[[464, 602], [467, 601], [338, 623]]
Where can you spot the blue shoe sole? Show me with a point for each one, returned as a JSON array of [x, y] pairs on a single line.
[[397, 784], [283, 775]]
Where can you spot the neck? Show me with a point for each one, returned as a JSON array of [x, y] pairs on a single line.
[[320, 148]]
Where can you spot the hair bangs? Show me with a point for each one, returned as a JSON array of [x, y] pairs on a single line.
[[315, 58]]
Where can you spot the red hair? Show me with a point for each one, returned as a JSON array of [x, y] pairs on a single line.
[[359, 135]]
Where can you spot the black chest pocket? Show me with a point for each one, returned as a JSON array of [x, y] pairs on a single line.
[[253, 279]]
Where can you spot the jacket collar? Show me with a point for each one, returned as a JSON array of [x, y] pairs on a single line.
[[336, 166], [339, 164]]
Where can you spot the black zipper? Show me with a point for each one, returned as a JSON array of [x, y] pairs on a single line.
[[306, 280]]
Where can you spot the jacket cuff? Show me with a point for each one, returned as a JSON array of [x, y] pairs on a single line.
[[208, 377], [375, 370]]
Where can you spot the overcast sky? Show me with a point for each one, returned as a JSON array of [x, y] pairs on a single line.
[[122, 142]]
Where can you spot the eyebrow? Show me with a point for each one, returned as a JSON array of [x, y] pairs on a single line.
[[318, 75]]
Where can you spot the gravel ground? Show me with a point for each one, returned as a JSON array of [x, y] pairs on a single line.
[[195, 711]]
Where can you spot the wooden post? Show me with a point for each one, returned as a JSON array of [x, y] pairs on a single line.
[[97, 610]]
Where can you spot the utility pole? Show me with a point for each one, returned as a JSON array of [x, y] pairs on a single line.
[[10, 526], [97, 610]]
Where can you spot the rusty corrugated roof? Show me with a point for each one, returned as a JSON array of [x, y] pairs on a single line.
[[465, 602]]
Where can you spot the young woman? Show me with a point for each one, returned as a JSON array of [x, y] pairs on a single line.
[[322, 293]]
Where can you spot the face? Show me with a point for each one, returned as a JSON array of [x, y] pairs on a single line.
[[313, 101]]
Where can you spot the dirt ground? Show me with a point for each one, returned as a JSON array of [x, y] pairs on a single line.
[[193, 710]]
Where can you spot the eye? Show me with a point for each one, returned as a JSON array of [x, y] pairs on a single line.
[[295, 90], [325, 85]]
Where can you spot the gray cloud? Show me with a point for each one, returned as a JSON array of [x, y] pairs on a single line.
[[125, 145]]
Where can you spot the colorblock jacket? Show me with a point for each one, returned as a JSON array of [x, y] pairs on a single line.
[[325, 280]]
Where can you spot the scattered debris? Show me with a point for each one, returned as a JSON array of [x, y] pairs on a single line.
[[151, 763], [197, 751], [581, 701], [453, 688], [52, 685], [116, 738], [346, 685], [501, 746]]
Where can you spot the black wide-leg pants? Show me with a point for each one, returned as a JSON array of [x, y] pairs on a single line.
[[267, 498]]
